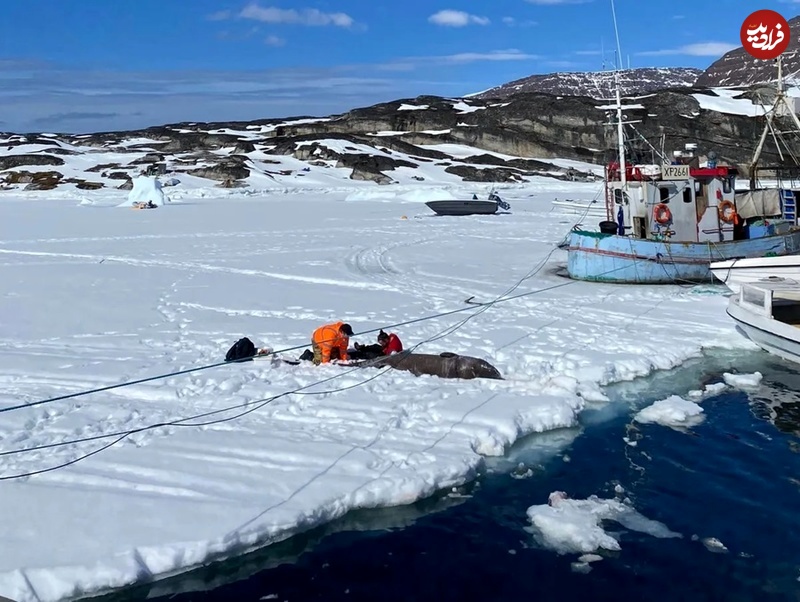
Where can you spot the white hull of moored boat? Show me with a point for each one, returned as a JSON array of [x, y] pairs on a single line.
[[735, 272], [588, 208]]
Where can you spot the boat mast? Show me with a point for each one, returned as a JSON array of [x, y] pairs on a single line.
[[780, 101], [620, 133]]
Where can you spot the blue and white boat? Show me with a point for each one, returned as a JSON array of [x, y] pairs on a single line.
[[670, 231], [666, 222]]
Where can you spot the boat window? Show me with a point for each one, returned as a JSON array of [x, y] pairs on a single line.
[[753, 296], [727, 185], [687, 194], [664, 192], [620, 197]]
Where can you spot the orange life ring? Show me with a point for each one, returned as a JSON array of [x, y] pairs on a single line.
[[727, 211], [662, 214]]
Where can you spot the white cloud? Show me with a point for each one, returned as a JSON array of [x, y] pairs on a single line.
[[699, 49], [495, 55], [588, 52], [274, 41], [411, 63], [307, 16], [512, 22], [456, 18]]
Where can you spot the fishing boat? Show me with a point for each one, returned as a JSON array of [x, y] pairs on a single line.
[[667, 221], [472, 206], [768, 313]]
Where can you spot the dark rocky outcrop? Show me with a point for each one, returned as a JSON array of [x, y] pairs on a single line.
[[228, 168], [364, 162], [103, 166], [83, 184], [38, 180], [59, 150], [468, 173], [148, 159], [12, 161]]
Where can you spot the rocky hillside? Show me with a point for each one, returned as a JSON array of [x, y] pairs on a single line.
[[737, 68], [425, 138], [598, 84]]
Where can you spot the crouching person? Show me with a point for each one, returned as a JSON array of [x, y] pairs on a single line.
[[387, 345], [330, 342]]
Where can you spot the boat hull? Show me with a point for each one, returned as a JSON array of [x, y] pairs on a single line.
[[586, 208], [773, 336], [599, 257], [735, 272], [468, 207]]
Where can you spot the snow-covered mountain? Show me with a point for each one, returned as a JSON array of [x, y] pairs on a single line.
[[598, 84], [737, 68]]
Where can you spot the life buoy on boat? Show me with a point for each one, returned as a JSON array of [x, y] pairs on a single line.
[[662, 214], [727, 211]]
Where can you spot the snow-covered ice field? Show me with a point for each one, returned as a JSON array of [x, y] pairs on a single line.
[[93, 295]]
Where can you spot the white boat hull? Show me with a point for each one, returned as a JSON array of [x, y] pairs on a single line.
[[588, 208], [773, 336], [734, 272]]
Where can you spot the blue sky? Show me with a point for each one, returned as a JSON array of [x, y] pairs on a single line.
[[91, 65]]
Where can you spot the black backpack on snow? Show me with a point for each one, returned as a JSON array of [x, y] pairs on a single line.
[[242, 350]]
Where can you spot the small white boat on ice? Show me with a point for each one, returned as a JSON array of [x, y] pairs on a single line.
[[768, 313], [735, 272]]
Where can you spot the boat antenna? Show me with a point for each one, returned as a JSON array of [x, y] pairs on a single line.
[[616, 33], [602, 53], [620, 133]]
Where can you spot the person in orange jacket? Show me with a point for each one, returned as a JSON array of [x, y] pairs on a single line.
[[330, 342]]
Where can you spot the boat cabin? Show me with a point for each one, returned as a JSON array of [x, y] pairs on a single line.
[[778, 300], [674, 202]]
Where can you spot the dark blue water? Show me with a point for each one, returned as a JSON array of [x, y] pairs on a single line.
[[735, 477]]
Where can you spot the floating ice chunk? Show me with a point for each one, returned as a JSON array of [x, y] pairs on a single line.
[[581, 567], [574, 526], [714, 545], [674, 411], [743, 381], [707, 391]]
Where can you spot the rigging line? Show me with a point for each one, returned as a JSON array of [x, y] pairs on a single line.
[[469, 307], [184, 422], [260, 403]]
